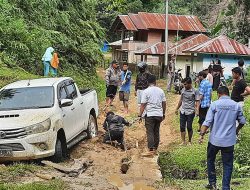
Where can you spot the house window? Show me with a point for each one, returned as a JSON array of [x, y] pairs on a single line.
[[125, 56]]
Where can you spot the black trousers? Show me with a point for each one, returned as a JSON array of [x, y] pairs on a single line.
[[152, 125], [227, 154], [114, 136], [186, 121]]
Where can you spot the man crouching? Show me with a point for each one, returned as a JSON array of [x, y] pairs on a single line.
[[114, 127]]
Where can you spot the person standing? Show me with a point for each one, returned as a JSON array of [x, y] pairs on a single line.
[[243, 73], [141, 82], [124, 91], [54, 64], [154, 104], [189, 104], [170, 72], [113, 80], [221, 119], [205, 90], [240, 88], [209, 75], [217, 73], [47, 57]]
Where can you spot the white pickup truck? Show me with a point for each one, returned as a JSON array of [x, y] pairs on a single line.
[[45, 117]]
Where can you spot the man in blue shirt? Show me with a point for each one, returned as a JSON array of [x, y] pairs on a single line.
[[205, 90], [125, 87], [221, 119]]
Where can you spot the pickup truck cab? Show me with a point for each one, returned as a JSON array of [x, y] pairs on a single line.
[[44, 117]]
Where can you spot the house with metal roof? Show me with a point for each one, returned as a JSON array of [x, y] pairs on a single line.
[[184, 61], [143, 39], [229, 51], [142, 30]]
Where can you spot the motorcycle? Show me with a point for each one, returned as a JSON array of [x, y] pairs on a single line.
[[177, 81]]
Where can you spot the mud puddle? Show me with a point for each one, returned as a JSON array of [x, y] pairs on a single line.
[[117, 181]]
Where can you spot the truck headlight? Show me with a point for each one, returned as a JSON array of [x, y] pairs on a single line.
[[39, 127]]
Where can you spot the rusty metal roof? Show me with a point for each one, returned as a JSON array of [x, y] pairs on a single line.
[[156, 49], [159, 48], [189, 42], [221, 45], [129, 24], [146, 21]]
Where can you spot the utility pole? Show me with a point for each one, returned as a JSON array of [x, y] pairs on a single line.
[[166, 35]]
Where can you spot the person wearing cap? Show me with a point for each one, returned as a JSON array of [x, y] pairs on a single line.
[[170, 72], [221, 119], [205, 90], [154, 104], [240, 88], [113, 80]]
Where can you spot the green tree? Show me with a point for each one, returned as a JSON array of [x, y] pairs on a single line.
[[30, 26]]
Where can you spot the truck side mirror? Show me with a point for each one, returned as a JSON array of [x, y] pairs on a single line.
[[66, 102]]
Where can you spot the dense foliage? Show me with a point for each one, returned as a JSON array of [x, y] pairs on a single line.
[[28, 27], [108, 10]]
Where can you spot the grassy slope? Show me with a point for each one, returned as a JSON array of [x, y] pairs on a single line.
[[83, 80], [184, 161]]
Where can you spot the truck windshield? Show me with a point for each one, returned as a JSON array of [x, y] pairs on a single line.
[[26, 98]]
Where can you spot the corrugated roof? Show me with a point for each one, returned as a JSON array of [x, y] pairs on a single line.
[[221, 45], [146, 21], [156, 49], [159, 48], [128, 23], [189, 42]]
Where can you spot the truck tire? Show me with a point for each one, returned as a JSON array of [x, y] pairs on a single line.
[[60, 152], [92, 127]]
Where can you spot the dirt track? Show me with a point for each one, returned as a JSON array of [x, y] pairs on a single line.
[[105, 173], [107, 158]]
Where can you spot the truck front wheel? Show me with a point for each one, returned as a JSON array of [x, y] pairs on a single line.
[[60, 151], [92, 127]]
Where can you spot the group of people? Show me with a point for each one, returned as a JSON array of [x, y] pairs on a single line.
[[223, 118], [151, 103], [50, 62]]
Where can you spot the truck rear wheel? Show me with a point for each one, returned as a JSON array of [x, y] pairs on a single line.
[[92, 127]]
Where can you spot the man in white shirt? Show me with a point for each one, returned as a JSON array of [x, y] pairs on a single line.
[[154, 104]]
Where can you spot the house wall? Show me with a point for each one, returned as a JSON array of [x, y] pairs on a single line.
[[227, 61], [154, 36], [183, 61]]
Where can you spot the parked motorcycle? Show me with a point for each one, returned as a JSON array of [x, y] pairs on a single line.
[[177, 81]]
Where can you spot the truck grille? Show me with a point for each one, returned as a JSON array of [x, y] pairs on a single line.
[[12, 133], [12, 146]]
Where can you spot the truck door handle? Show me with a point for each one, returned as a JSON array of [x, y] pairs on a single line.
[[72, 109]]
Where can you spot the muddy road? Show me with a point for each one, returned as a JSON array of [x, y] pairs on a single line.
[[105, 171]]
